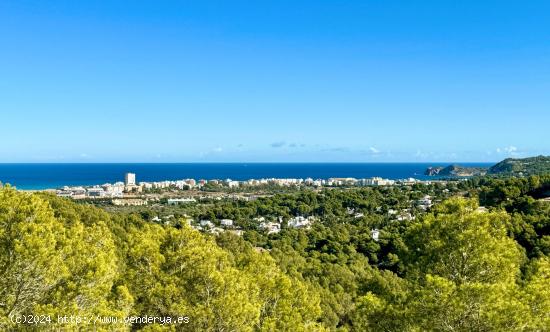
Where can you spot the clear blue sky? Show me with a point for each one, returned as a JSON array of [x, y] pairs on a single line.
[[169, 81]]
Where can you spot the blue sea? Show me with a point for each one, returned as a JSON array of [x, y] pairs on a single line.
[[50, 176]]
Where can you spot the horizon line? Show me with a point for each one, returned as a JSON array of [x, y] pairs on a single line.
[[247, 162]]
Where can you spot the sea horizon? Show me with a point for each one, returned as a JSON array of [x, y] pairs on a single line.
[[254, 162], [41, 176]]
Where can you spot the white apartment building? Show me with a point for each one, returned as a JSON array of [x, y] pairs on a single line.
[[130, 179], [176, 201]]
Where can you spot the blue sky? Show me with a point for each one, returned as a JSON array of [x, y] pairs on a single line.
[[184, 81]]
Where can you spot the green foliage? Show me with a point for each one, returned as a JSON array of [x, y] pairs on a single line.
[[454, 267], [60, 258], [524, 166], [30, 261], [463, 274], [459, 244]]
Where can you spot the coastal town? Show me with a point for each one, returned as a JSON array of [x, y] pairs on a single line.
[[262, 166], [130, 188], [171, 198]]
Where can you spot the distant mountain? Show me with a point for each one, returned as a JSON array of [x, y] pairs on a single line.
[[522, 166], [455, 170]]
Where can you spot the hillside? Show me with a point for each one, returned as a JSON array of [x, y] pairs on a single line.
[[522, 166], [61, 258], [509, 166], [455, 170]]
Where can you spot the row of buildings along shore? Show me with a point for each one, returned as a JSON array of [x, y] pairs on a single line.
[[131, 187]]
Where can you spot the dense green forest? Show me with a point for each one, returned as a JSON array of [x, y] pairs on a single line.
[[455, 267]]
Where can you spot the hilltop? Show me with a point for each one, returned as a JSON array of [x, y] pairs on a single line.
[[455, 170], [522, 166], [509, 166]]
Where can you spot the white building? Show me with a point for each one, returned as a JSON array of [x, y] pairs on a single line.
[[95, 192], [226, 222], [206, 223], [425, 203], [64, 193], [377, 181], [130, 179], [176, 201], [232, 184], [72, 192], [129, 202], [113, 190], [270, 227], [341, 181], [375, 234], [300, 222], [405, 215], [426, 200]]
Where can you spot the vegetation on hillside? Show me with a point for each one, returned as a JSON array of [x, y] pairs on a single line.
[[522, 166], [454, 268], [508, 167], [455, 170]]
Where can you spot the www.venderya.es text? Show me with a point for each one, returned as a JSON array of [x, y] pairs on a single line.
[[97, 320]]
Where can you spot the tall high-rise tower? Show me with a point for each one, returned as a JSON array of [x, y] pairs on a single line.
[[130, 179]]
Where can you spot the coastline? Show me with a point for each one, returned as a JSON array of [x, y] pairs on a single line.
[[51, 176]]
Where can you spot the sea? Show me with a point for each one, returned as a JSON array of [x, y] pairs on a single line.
[[51, 176]]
